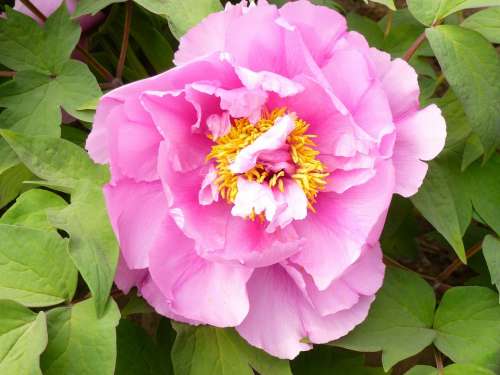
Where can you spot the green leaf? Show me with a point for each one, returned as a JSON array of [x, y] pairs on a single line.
[[24, 45], [388, 3], [486, 22], [403, 309], [444, 201], [491, 252], [33, 100], [23, 337], [30, 209], [182, 15], [11, 183], [467, 323], [92, 6], [431, 11], [455, 369], [472, 151], [56, 160], [366, 26], [206, 350], [137, 353], [80, 342], [457, 123], [485, 195], [472, 68], [35, 269], [136, 305], [326, 360], [93, 246]]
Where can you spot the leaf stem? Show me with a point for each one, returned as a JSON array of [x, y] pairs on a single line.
[[7, 73], [439, 360], [125, 38], [87, 56], [388, 26], [33, 9], [457, 263], [413, 48]]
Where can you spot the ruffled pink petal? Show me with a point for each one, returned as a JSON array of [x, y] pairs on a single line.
[[182, 190], [272, 139], [174, 118], [319, 26], [399, 81], [208, 36], [268, 81], [137, 211], [336, 234], [248, 243], [239, 102], [420, 136], [97, 143], [349, 76], [219, 125], [294, 203], [373, 114], [255, 40], [254, 197], [210, 292], [134, 150], [281, 319], [126, 278]]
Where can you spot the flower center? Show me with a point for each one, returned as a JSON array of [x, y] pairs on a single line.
[[297, 159]]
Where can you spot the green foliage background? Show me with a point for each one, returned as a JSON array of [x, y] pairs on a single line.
[[438, 311]]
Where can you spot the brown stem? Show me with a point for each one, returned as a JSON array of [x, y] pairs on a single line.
[[457, 263], [88, 58], [413, 48], [125, 38], [388, 26], [28, 4], [7, 73], [439, 361], [394, 262]]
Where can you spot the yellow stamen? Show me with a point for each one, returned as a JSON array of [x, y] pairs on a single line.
[[310, 173]]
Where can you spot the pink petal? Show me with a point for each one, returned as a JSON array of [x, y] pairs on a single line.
[[319, 26], [254, 197], [256, 48], [400, 83], [174, 118], [349, 76], [272, 139], [126, 278], [208, 36], [134, 150], [294, 202], [281, 318], [137, 211], [210, 292], [420, 136], [182, 190], [336, 234], [268, 81]]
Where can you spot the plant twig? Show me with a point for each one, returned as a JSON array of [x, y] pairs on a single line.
[[7, 73], [388, 26], [125, 38], [33, 9], [87, 56], [457, 263], [439, 361], [394, 262], [413, 48]]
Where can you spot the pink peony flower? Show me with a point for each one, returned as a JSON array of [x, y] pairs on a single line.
[[251, 182], [47, 7]]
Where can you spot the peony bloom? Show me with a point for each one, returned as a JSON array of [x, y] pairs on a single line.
[[47, 7], [251, 182]]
